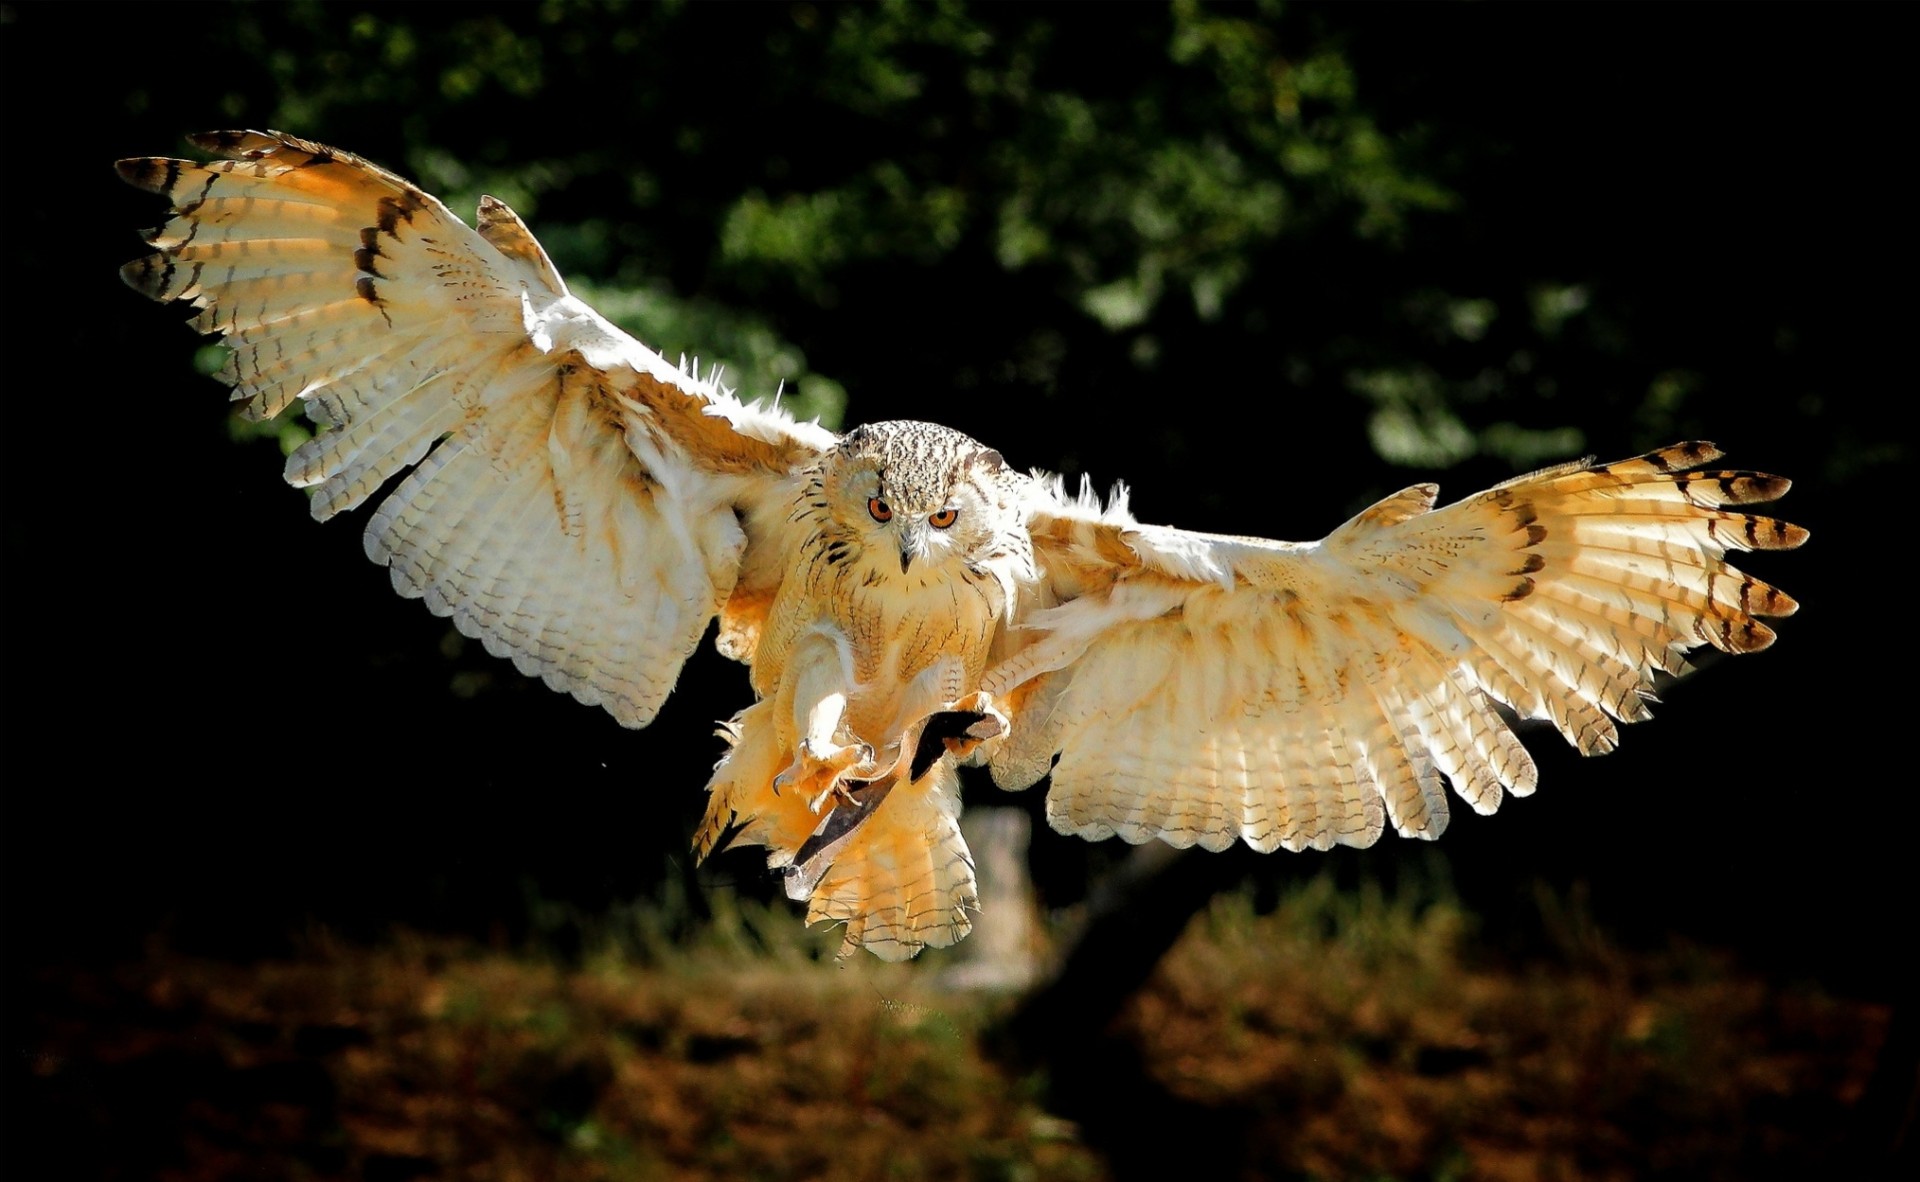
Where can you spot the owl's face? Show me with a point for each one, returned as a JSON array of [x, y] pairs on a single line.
[[924, 496]]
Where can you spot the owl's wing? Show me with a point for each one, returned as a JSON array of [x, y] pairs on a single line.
[[1203, 689], [575, 502]]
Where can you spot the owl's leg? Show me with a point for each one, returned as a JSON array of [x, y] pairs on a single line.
[[930, 691], [815, 690]]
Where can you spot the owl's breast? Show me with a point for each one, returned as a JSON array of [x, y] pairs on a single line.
[[903, 625], [890, 626]]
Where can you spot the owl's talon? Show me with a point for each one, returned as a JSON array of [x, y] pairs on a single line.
[[991, 723], [827, 766], [836, 791]]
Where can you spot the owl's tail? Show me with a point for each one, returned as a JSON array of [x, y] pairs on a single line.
[[889, 863]]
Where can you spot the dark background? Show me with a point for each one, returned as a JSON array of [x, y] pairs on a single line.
[[223, 727]]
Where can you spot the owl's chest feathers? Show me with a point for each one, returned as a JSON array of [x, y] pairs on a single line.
[[894, 625], [897, 624]]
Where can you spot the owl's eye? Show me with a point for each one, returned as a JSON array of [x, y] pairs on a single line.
[[880, 510], [943, 519]]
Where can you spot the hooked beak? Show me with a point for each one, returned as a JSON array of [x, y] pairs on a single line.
[[912, 545]]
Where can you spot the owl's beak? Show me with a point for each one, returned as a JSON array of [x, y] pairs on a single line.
[[913, 544]]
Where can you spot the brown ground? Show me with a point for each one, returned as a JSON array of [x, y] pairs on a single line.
[[1350, 1036]]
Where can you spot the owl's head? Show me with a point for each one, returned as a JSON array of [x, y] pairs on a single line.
[[926, 494]]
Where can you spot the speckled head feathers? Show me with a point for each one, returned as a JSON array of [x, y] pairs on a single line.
[[918, 463]]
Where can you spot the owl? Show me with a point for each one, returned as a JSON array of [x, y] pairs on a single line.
[[907, 601]]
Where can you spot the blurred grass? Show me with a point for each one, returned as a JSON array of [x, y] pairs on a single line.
[[1365, 1034], [1345, 1033]]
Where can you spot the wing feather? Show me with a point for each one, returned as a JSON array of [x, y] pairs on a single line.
[[1203, 689], [574, 501]]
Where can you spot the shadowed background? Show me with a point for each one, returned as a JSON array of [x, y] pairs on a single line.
[[1263, 264]]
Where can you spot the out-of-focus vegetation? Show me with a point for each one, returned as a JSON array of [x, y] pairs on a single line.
[[1341, 1034], [1265, 262], [1211, 173], [1365, 1034], [1245, 201]]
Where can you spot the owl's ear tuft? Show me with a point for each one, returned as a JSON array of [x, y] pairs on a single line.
[[991, 460]]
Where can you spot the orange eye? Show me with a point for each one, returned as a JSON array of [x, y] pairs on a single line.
[[943, 519], [880, 510]]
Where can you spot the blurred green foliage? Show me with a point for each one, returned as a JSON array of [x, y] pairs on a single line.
[[1398, 220], [1187, 182], [992, 201]]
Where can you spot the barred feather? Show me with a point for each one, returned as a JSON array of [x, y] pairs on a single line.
[[414, 342], [1325, 686]]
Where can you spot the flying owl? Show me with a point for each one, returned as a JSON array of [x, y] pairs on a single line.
[[906, 599]]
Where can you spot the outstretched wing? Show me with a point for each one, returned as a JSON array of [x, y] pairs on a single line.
[[1201, 689], [579, 504]]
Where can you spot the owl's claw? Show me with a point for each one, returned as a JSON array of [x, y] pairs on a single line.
[[990, 724], [836, 791], [821, 770]]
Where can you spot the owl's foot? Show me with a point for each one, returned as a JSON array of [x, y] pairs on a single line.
[[819, 770], [988, 723]]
